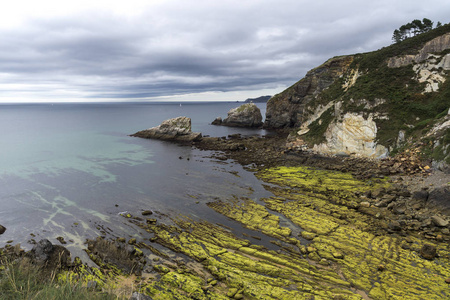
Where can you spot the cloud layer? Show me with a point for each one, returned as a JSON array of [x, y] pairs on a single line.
[[137, 50]]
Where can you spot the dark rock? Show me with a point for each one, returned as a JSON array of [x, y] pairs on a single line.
[[246, 115], [2, 229], [50, 258], [147, 212], [176, 129], [117, 254], [217, 121], [394, 225], [42, 250], [61, 240], [428, 251]]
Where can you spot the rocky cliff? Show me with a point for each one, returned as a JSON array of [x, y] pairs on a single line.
[[246, 115], [373, 104], [288, 108]]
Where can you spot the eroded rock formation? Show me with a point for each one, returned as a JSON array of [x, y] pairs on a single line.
[[176, 129], [353, 135], [246, 115]]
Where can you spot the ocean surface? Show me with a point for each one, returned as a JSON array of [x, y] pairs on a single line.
[[70, 170]]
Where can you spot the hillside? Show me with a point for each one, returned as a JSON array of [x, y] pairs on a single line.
[[262, 99], [373, 104]]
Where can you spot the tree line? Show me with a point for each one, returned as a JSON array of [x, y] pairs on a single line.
[[412, 29]]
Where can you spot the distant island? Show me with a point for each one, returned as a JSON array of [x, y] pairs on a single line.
[[262, 99]]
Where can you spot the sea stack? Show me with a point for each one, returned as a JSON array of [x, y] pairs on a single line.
[[246, 115], [176, 129]]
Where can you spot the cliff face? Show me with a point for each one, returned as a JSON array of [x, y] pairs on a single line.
[[373, 104], [287, 109]]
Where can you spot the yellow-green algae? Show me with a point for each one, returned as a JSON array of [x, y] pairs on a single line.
[[253, 216], [349, 256], [302, 197], [235, 263]]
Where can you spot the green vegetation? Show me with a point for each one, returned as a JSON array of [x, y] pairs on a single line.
[[317, 129], [412, 29], [25, 281]]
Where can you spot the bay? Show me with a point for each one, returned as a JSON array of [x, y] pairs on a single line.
[[70, 170]]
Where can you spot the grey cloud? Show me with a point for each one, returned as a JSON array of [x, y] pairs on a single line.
[[186, 48]]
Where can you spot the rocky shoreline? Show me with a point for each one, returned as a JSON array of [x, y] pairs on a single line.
[[338, 228]]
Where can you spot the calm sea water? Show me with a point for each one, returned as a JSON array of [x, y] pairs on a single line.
[[70, 169]]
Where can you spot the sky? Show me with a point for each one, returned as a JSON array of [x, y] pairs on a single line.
[[177, 50]]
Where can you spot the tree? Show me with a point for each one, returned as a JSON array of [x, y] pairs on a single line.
[[428, 24], [412, 29], [397, 36]]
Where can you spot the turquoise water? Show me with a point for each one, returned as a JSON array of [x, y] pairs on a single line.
[[70, 169]]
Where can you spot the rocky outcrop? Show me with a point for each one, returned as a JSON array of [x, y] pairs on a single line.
[[2, 229], [427, 64], [353, 135], [176, 129], [436, 45], [287, 109], [246, 115]]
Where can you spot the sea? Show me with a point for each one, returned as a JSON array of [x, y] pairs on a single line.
[[73, 171]]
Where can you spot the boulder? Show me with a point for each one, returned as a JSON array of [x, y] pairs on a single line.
[[42, 250], [176, 129], [428, 251], [50, 257], [246, 115], [217, 121], [2, 229]]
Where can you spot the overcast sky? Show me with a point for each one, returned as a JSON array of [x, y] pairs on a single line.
[[133, 50]]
